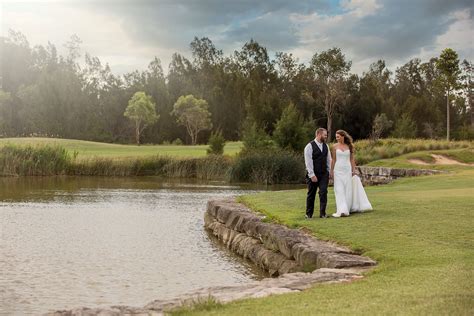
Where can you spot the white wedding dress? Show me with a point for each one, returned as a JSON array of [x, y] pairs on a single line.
[[350, 194]]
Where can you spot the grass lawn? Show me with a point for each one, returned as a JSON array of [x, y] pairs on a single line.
[[421, 232], [88, 149]]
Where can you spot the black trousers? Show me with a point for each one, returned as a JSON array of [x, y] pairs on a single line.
[[322, 185]]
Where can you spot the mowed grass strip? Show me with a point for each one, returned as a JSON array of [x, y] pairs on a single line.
[[87, 149], [421, 233]]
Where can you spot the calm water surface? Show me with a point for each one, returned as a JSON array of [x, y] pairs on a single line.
[[70, 242]]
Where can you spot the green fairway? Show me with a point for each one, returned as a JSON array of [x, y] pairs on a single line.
[[421, 233], [88, 149]]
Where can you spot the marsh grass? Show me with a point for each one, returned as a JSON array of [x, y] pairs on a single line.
[[34, 160], [268, 166], [45, 160]]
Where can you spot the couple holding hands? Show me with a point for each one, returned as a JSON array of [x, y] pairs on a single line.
[[338, 163]]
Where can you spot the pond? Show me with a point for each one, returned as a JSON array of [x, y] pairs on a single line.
[[67, 242]]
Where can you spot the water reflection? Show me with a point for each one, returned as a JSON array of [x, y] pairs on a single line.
[[68, 242]]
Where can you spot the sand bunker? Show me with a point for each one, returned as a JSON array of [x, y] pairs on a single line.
[[439, 160]]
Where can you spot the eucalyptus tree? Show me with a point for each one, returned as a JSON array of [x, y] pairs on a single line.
[[448, 64], [141, 110], [192, 113], [331, 70]]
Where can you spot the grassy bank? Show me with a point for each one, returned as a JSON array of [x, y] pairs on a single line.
[[368, 151], [420, 233], [272, 167], [87, 150], [464, 155], [55, 160], [49, 156]]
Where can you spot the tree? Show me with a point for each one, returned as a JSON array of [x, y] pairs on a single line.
[[405, 127], [255, 138], [216, 144], [381, 124], [5, 98], [468, 86], [330, 69], [448, 65], [290, 130], [262, 98], [192, 113], [141, 110]]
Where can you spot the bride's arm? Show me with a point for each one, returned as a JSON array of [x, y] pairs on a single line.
[[333, 160], [353, 164]]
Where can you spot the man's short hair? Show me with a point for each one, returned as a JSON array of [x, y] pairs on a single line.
[[320, 130]]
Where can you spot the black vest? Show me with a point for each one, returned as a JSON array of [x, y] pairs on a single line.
[[319, 159]]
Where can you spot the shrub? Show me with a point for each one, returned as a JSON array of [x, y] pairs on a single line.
[[380, 126], [405, 127], [177, 141], [216, 143], [465, 132], [255, 138], [291, 132]]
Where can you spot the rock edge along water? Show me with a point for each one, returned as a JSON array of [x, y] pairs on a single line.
[[276, 248], [273, 247]]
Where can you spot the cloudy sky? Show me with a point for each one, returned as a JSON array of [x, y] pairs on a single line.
[[127, 34]]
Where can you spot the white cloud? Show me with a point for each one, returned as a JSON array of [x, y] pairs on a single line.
[[361, 8], [459, 35], [127, 35], [102, 35], [319, 32]]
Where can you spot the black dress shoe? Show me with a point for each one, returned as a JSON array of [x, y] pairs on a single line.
[[323, 216]]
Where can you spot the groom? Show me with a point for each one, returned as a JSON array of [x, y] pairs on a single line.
[[318, 163]]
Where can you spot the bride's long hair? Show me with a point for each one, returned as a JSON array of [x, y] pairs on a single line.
[[347, 139]]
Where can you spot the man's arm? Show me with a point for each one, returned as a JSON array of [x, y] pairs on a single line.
[[308, 160]]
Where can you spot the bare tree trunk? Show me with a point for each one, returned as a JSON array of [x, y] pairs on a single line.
[[447, 115], [471, 105], [329, 127], [137, 133]]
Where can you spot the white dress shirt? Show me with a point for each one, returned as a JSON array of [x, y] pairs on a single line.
[[308, 157]]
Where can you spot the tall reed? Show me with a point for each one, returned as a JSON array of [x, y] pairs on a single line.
[[33, 160], [268, 166]]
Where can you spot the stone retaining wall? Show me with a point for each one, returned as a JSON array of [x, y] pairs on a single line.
[[384, 175], [274, 248]]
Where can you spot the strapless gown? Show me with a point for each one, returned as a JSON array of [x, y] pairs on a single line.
[[348, 189]]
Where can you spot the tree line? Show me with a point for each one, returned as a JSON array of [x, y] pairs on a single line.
[[47, 94]]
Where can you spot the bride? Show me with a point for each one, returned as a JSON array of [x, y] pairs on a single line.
[[350, 194]]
